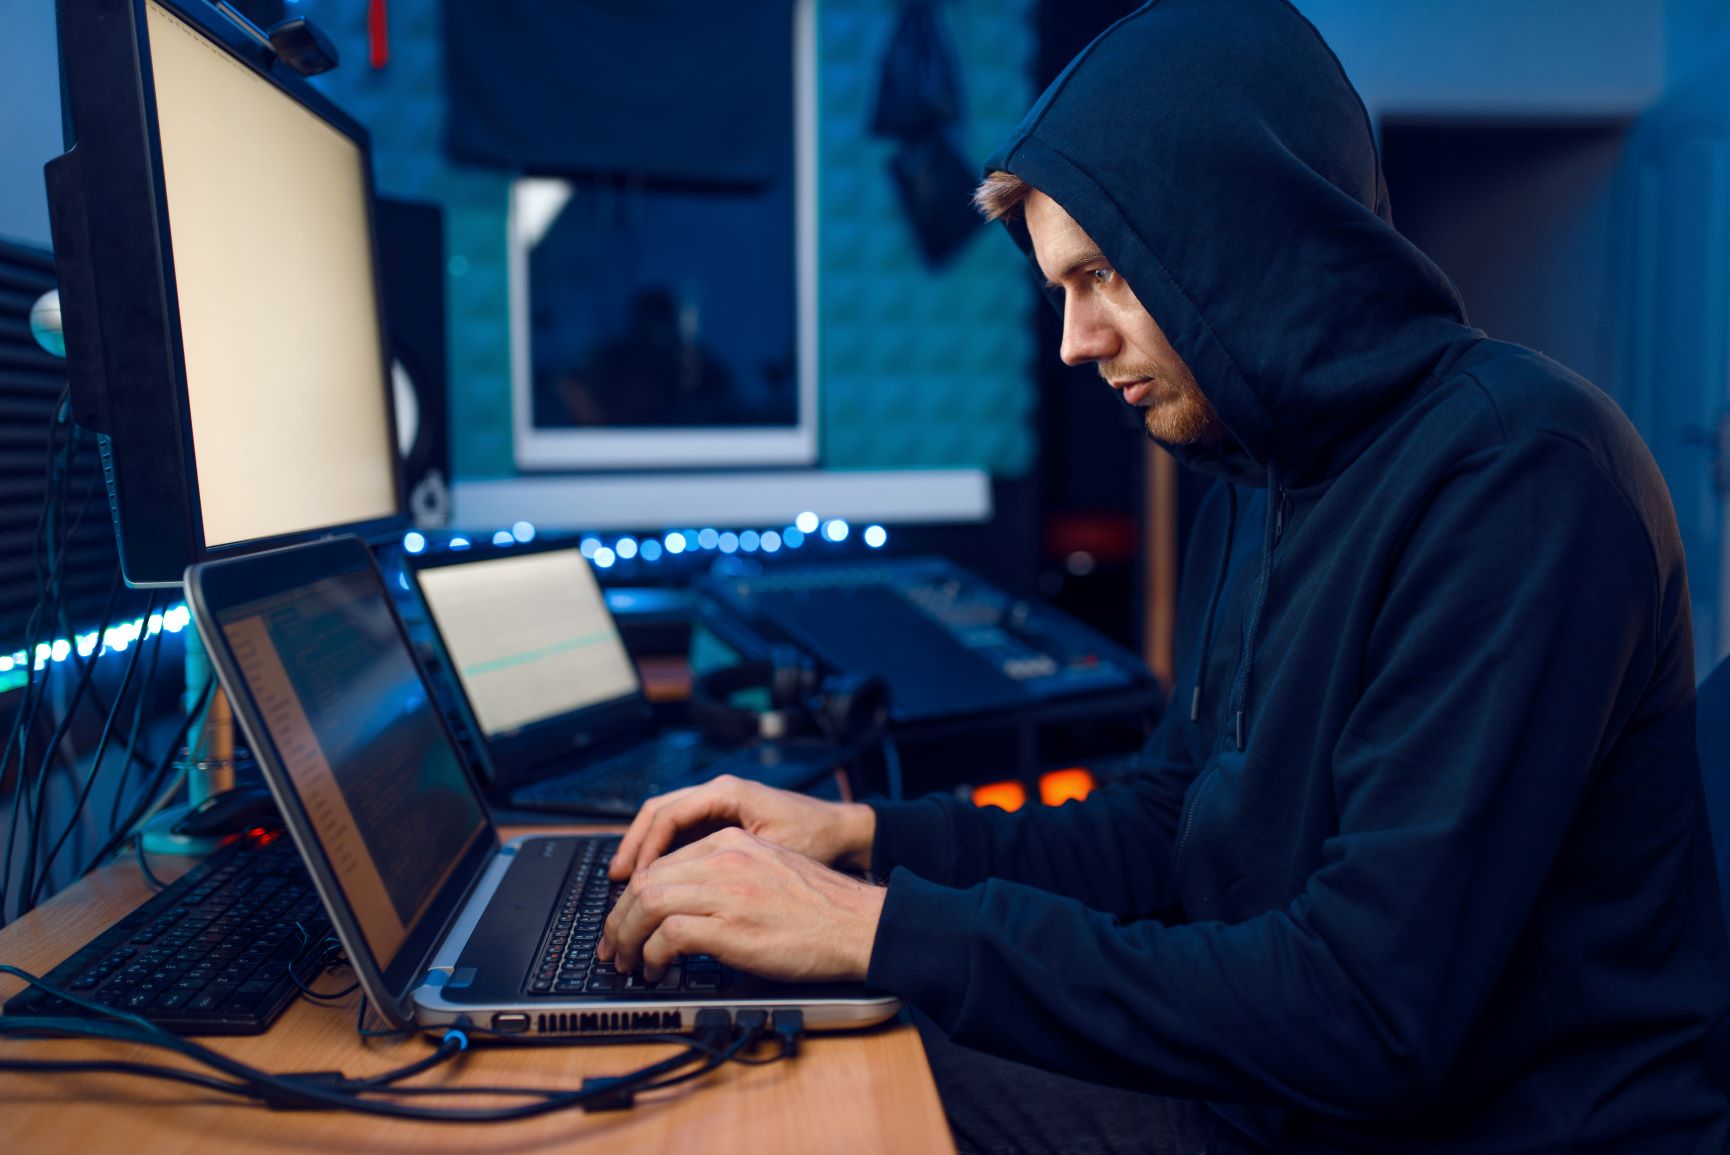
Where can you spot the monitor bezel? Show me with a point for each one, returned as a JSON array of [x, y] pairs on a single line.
[[517, 757], [214, 587], [125, 356]]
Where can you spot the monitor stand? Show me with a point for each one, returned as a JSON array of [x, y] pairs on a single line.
[[208, 763]]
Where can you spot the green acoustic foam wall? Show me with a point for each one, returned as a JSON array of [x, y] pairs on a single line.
[[916, 368]]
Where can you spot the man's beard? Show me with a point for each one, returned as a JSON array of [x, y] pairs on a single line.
[[1178, 412]]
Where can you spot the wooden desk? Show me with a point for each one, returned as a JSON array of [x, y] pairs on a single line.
[[866, 1092]]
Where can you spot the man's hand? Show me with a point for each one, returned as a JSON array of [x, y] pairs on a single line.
[[749, 903], [834, 833]]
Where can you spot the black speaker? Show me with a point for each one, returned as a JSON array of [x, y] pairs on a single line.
[[847, 709], [411, 253]]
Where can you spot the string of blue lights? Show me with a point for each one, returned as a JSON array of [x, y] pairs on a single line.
[[603, 553]]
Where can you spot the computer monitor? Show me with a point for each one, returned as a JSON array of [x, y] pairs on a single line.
[[213, 236]]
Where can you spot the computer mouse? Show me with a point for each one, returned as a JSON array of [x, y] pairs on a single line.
[[230, 812]]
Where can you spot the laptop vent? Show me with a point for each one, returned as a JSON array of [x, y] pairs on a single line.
[[609, 1023]]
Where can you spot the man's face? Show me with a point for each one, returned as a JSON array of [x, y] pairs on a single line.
[[1105, 324]]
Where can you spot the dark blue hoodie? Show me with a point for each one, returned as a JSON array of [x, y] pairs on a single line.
[[1418, 860]]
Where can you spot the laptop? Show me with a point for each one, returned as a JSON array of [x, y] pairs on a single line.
[[545, 681], [443, 924]]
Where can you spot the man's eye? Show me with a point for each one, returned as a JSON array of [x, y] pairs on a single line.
[[1104, 276]]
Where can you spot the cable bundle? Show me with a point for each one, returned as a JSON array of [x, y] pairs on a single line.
[[32, 846], [718, 1039]]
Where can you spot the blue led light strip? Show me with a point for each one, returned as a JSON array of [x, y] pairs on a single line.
[[116, 640], [606, 554]]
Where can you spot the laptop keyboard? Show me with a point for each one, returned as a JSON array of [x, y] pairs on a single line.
[[629, 779], [566, 964], [208, 955]]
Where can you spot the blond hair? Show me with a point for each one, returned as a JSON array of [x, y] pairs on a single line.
[[1000, 195]]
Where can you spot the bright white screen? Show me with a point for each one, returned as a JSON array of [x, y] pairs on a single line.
[[530, 636], [267, 212]]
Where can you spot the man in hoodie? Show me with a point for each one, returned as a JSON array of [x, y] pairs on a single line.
[[1418, 859]]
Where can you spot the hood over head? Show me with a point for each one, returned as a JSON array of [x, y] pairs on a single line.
[[1216, 153]]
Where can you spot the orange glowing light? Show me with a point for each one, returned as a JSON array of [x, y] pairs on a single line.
[[1060, 786], [1004, 795]]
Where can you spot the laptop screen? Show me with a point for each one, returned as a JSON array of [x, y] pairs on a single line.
[[346, 709], [529, 635]]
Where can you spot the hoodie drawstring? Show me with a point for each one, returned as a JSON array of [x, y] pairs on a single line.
[[1213, 601], [1252, 623]]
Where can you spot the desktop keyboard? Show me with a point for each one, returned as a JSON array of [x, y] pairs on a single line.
[[208, 955], [566, 964], [620, 784]]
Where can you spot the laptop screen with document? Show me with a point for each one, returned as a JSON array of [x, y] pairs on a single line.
[[329, 679]]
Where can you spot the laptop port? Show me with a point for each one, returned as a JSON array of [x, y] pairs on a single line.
[[506, 1023]]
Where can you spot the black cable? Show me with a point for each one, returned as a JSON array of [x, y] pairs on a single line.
[[138, 710], [99, 704], [46, 769], [148, 1070], [24, 721], [34, 894], [129, 1027], [56, 481], [118, 837], [150, 878], [57, 468], [327, 947], [325, 1089]]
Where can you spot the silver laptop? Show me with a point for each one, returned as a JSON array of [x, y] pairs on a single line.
[[546, 681], [443, 924]]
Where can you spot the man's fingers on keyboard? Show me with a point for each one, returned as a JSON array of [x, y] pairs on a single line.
[[678, 934], [680, 811], [625, 860], [642, 909]]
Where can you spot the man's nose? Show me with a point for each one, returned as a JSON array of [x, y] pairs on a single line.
[[1086, 337]]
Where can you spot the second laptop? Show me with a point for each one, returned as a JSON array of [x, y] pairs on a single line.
[[553, 696]]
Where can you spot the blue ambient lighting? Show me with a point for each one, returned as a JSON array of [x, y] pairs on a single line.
[[793, 537], [589, 547], [771, 541], [503, 537], [626, 547], [807, 522], [708, 538], [459, 543], [835, 530], [675, 543], [604, 558], [651, 550], [523, 532], [728, 542], [413, 542], [750, 540], [875, 536]]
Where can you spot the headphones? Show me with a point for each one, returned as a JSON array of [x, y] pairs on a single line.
[[847, 709]]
